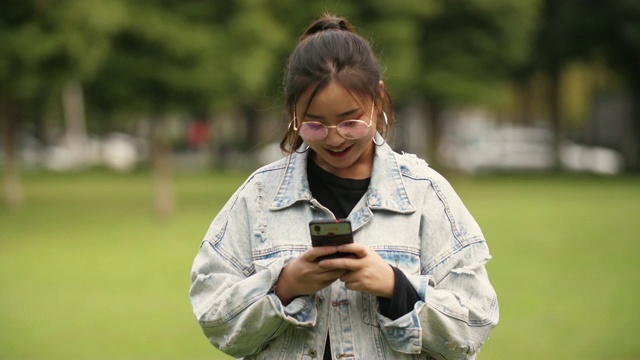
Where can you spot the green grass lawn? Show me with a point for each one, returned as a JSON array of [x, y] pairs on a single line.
[[87, 272]]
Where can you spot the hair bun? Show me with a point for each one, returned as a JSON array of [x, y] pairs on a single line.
[[331, 26], [325, 23]]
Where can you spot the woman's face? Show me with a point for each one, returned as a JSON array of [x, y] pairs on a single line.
[[347, 158]]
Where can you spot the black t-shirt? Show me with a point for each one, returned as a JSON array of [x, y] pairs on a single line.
[[341, 195]]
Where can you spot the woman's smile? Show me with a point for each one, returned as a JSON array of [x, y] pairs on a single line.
[[339, 153]]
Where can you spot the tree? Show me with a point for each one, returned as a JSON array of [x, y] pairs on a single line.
[[553, 47], [451, 52], [592, 31], [43, 48], [167, 58], [614, 27], [255, 46], [19, 81]]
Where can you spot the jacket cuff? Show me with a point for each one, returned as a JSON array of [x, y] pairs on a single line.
[[302, 310]]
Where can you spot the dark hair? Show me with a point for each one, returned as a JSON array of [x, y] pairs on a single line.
[[331, 50]]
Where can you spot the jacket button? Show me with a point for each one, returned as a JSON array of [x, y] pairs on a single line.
[[312, 353]]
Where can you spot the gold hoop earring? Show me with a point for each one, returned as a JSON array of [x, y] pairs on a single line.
[[294, 121]]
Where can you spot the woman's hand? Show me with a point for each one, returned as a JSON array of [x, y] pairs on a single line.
[[304, 275], [368, 272]]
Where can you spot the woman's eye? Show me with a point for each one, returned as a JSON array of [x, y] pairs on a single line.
[[313, 125], [349, 123]]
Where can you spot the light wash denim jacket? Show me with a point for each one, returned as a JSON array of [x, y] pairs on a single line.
[[410, 215]]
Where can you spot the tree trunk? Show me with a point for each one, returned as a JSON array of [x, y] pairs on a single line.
[[163, 198], [634, 161], [252, 129], [555, 113], [12, 184], [525, 100], [434, 133], [74, 115], [552, 28]]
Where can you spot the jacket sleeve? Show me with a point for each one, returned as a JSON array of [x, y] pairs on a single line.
[[458, 306], [232, 295]]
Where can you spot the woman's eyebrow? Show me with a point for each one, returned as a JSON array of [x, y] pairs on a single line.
[[343, 114]]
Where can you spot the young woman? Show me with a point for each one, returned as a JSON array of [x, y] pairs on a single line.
[[415, 285]]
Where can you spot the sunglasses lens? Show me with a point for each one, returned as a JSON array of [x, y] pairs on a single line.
[[350, 129], [353, 129], [313, 131]]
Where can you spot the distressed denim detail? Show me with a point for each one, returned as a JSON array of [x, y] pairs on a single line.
[[410, 216], [261, 224]]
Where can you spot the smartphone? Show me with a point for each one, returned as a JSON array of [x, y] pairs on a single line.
[[331, 233]]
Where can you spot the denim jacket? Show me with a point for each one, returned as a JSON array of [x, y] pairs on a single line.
[[410, 215]]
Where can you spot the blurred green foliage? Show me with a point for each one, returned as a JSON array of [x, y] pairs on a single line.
[[151, 56], [86, 272], [157, 58]]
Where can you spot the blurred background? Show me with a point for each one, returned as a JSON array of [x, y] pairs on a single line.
[[126, 125]]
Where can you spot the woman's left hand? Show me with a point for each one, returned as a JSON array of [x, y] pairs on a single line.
[[368, 272]]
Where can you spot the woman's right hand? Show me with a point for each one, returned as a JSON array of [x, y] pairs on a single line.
[[303, 275]]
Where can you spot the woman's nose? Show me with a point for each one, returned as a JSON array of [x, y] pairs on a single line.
[[333, 137]]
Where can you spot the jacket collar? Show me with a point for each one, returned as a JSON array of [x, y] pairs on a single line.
[[386, 190]]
